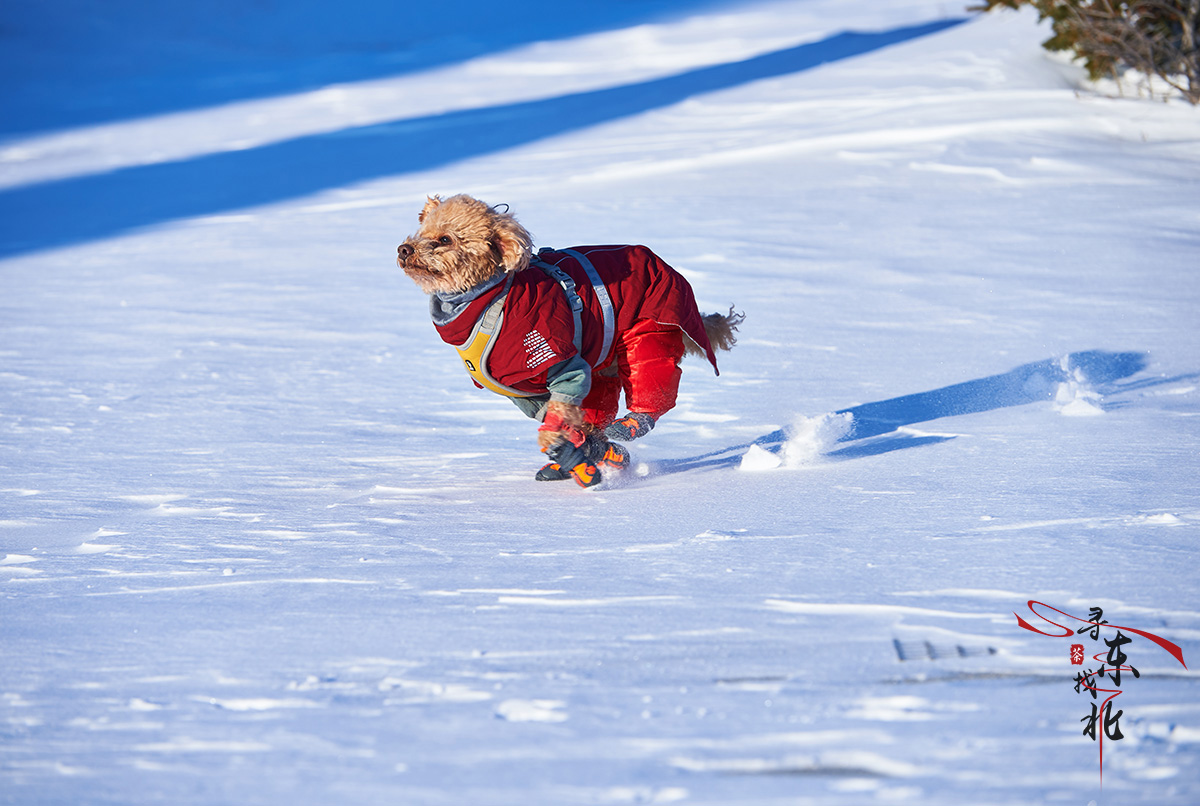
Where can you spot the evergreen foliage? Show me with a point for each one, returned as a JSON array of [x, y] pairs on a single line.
[[1154, 37]]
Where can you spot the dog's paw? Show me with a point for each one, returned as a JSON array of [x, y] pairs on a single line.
[[572, 462], [631, 426]]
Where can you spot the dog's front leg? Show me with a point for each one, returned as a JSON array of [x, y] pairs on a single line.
[[563, 421], [561, 437]]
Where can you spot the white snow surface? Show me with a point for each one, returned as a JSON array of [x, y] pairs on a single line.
[[262, 542]]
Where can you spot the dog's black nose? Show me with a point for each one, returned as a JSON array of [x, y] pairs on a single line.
[[403, 252]]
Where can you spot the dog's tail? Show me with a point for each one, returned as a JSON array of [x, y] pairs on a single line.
[[720, 329]]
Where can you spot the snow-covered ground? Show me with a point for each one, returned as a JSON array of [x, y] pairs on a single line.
[[262, 542]]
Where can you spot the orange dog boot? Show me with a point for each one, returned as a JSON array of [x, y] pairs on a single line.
[[633, 425], [615, 456]]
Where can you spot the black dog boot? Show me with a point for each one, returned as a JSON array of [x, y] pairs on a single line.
[[572, 462], [596, 451]]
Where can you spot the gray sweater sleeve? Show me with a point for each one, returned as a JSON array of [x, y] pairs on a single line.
[[568, 381]]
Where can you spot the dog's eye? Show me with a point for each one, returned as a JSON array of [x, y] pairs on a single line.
[[445, 240]]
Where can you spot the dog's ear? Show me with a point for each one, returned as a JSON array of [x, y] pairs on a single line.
[[430, 203], [511, 241]]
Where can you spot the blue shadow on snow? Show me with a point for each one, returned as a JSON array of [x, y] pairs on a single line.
[[79, 209], [875, 424], [73, 63]]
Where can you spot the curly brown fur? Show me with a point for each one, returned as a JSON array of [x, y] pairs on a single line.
[[462, 242], [571, 415]]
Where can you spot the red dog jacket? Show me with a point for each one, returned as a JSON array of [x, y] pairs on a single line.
[[532, 356]]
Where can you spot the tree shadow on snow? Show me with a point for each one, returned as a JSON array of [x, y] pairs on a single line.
[[874, 429], [78, 209]]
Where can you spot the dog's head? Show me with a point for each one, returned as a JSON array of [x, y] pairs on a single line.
[[462, 242]]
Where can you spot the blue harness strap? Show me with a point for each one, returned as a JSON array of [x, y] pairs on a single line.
[[568, 286], [606, 306], [573, 300]]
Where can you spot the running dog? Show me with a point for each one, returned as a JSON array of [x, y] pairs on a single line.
[[562, 332]]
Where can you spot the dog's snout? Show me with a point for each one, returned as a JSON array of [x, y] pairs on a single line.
[[403, 252]]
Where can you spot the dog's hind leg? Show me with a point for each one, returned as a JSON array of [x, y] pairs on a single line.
[[648, 356], [600, 405]]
